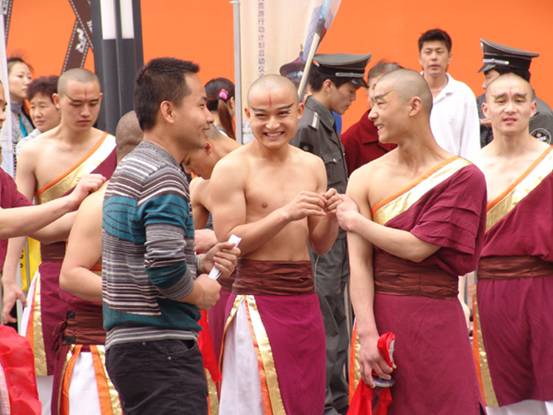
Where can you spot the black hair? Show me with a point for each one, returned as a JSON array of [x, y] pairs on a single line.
[[45, 85], [219, 91], [436, 35], [317, 78], [162, 79]]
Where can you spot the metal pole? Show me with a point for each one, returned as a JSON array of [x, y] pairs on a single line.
[[237, 70]]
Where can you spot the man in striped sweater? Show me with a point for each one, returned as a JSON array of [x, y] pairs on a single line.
[[151, 291]]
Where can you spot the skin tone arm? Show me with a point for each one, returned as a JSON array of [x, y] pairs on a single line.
[[397, 242], [362, 293], [229, 209], [26, 184], [51, 210], [199, 212], [324, 230], [76, 276]]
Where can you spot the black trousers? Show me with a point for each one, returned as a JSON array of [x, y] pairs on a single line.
[[158, 377]]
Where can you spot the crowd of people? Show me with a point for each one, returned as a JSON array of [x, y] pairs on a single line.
[[348, 287]]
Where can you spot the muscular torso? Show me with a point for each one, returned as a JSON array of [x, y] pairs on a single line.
[[271, 186]]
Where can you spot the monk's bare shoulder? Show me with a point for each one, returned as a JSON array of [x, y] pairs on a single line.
[[233, 166], [197, 188], [376, 170], [307, 159]]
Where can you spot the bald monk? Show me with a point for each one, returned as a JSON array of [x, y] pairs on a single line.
[[48, 168], [78, 385], [415, 221], [514, 325], [201, 163], [273, 196]]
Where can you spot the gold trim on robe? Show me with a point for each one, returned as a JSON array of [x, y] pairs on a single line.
[[113, 403], [392, 206], [354, 367], [522, 187], [481, 360], [88, 163], [270, 390], [34, 331]]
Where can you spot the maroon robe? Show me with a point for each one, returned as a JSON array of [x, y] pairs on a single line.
[[418, 301], [54, 302], [515, 290]]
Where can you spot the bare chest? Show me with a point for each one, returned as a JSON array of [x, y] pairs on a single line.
[[268, 189], [55, 162], [502, 175]]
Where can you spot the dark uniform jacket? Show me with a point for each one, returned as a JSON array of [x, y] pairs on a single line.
[[316, 134]]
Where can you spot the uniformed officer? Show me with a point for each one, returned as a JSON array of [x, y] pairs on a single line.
[[499, 59], [333, 81]]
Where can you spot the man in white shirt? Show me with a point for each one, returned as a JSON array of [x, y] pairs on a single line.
[[454, 117]]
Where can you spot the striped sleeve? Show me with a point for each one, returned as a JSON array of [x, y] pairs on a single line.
[[164, 211]]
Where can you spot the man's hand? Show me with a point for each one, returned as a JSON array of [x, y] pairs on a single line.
[[224, 256], [370, 360], [332, 200], [346, 213], [305, 204], [87, 184], [12, 292], [210, 291], [204, 240]]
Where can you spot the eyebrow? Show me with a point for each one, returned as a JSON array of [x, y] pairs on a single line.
[[284, 107], [80, 100], [517, 95], [375, 97]]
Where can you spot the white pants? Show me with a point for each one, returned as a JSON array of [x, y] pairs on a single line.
[[528, 407]]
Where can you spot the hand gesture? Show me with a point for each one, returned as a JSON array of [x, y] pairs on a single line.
[[210, 292], [346, 213], [371, 361], [87, 184], [305, 204], [332, 200], [224, 256], [12, 292]]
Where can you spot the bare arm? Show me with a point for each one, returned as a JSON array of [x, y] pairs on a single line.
[[26, 184], [362, 289], [56, 231], [400, 243], [323, 230], [200, 214], [84, 251]]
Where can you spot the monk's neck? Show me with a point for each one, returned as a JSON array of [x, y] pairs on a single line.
[[513, 146], [273, 155], [73, 137], [418, 153]]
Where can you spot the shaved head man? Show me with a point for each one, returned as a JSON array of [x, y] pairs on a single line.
[[274, 196], [516, 265], [49, 166], [415, 221]]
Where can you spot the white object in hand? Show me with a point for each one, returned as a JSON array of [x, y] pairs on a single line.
[[215, 273]]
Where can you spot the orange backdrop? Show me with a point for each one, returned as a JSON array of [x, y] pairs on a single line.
[[202, 31]]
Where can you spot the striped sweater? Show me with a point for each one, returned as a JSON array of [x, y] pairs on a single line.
[[148, 261]]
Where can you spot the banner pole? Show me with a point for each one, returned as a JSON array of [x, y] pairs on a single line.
[[305, 75], [237, 71]]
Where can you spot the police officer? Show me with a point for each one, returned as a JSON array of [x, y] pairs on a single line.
[[333, 81], [499, 59]]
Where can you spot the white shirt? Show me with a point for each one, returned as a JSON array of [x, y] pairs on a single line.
[[454, 119]]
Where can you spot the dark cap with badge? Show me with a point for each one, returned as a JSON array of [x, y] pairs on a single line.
[[504, 58], [346, 66]]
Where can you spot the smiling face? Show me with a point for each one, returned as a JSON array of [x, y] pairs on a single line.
[[274, 114], [434, 58], [389, 112], [509, 105]]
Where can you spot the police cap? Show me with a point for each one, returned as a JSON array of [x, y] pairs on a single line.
[[341, 65], [501, 56]]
